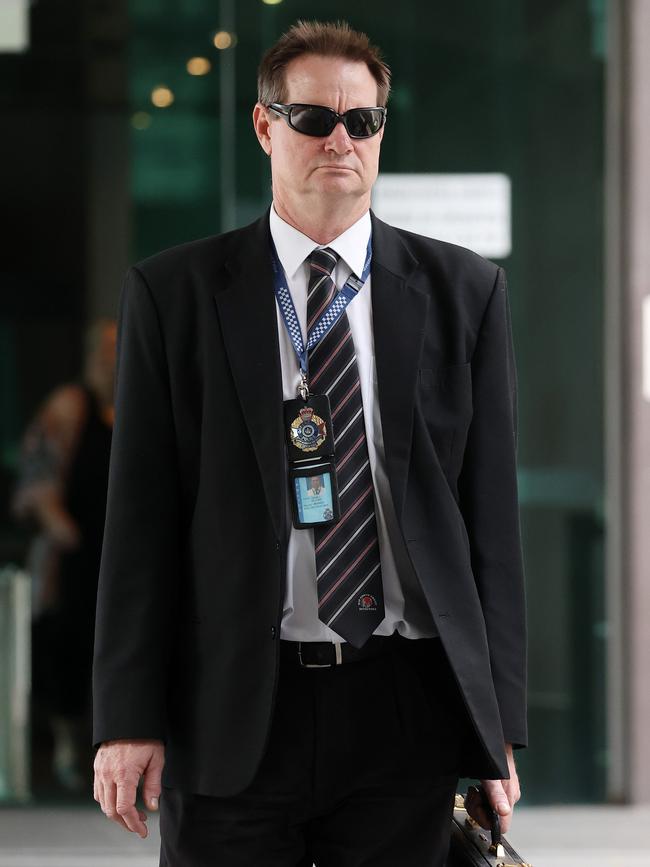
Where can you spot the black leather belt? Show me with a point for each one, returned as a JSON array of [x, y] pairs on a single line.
[[327, 654]]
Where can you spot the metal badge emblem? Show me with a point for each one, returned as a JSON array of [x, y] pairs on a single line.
[[308, 430]]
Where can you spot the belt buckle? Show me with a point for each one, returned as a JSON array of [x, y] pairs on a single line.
[[337, 653]]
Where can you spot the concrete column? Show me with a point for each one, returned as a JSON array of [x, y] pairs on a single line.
[[636, 244], [627, 347]]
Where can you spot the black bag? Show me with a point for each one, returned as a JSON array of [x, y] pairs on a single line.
[[471, 846]]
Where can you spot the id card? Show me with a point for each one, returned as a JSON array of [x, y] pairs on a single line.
[[314, 494]]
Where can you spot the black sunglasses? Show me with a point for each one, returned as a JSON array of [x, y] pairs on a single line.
[[317, 120]]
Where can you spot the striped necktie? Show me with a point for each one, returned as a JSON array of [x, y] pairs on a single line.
[[348, 569]]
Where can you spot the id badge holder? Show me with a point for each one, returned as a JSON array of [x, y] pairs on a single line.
[[314, 494], [312, 469]]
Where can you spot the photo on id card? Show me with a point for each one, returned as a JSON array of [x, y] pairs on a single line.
[[314, 499]]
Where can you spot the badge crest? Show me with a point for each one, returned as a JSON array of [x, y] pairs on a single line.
[[367, 603], [308, 431]]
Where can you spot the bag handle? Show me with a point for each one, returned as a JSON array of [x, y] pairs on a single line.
[[493, 816]]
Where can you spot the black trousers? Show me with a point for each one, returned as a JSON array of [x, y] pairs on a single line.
[[360, 770]]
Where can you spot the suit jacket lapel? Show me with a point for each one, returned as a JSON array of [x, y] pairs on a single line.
[[246, 309], [399, 313]]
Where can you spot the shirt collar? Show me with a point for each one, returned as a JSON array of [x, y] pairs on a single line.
[[293, 247]]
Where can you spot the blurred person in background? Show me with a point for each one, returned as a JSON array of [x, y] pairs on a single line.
[[61, 489]]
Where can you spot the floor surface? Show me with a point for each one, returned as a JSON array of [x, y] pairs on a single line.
[[545, 836]]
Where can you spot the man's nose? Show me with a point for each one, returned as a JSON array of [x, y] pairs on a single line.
[[338, 140]]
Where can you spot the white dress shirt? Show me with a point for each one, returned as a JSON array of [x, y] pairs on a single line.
[[402, 593]]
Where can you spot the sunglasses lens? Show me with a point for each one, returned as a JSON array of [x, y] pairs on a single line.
[[364, 122], [312, 120]]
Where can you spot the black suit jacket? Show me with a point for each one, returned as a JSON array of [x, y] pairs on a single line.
[[194, 559]]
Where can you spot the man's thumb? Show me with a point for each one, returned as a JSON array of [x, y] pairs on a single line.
[[151, 785], [498, 799]]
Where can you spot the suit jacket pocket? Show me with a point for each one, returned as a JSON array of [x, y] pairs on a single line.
[[445, 400]]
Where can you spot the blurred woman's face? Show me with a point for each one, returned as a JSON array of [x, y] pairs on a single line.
[[108, 345]]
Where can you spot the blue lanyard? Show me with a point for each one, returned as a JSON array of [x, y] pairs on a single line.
[[327, 320]]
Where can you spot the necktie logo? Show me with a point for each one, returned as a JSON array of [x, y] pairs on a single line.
[[367, 603]]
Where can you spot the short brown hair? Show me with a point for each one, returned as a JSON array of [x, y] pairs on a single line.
[[336, 39]]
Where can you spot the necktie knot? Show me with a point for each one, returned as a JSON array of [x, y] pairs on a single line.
[[323, 261]]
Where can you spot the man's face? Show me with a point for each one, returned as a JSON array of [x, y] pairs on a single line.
[[334, 166]]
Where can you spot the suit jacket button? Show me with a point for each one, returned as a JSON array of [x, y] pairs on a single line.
[[273, 632]]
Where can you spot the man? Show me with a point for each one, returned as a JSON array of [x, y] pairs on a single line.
[[316, 486], [314, 689]]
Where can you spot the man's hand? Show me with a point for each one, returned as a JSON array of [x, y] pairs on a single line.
[[503, 795], [118, 768]]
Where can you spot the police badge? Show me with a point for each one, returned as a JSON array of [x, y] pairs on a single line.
[[308, 427], [308, 430]]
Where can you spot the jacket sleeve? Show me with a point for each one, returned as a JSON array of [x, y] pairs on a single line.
[[489, 504], [140, 560]]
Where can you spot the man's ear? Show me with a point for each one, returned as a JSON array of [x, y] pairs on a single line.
[[262, 123]]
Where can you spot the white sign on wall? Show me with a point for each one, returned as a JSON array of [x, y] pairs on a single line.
[[472, 210], [14, 15]]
